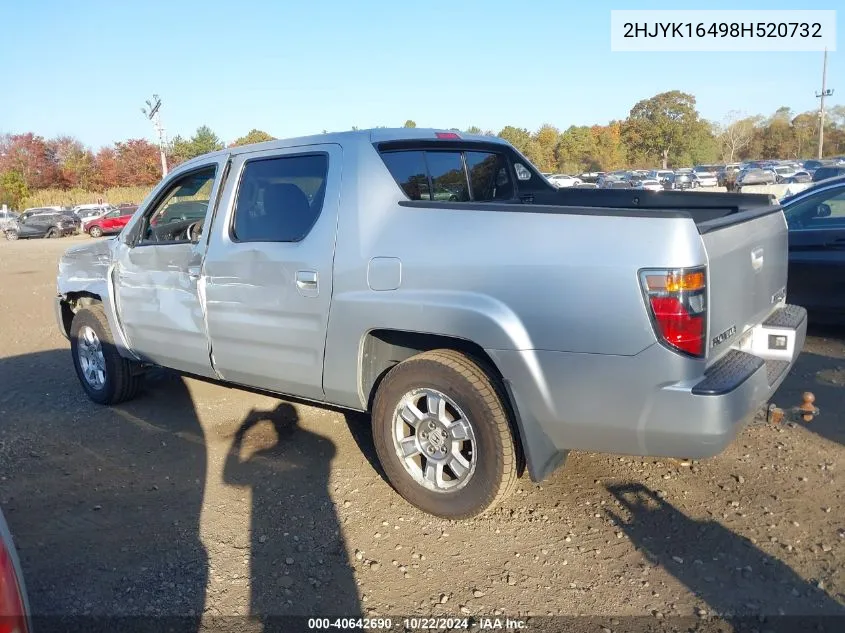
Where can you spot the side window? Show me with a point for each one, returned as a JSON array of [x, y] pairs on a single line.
[[448, 179], [279, 199], [183, 205], [410, 171], [488, 176], [819, 211]]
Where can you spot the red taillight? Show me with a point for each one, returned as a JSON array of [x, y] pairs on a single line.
[[12, 613], [677, 303], [448, 135]]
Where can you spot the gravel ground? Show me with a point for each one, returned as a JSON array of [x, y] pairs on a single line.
[[197, 499]]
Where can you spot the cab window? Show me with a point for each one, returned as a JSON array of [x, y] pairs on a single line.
[[179, 213], [279, 199]]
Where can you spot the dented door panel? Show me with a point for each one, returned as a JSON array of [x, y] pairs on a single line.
[[268, 302], [158, 289]]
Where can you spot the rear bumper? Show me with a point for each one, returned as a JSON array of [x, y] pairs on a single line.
[[655, 403]]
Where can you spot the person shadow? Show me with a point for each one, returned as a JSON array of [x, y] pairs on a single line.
[[736, 579], [298, 564]]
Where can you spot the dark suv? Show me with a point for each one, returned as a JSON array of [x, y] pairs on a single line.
[[683, 180], [42, 225], [828, 171]]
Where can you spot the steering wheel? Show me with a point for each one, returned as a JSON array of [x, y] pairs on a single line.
[[194, 232]]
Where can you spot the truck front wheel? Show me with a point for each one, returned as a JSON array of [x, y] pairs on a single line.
[[442, 435], [105, 375]]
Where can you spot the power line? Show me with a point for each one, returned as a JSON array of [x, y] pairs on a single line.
[[153, 113], [826, 92]]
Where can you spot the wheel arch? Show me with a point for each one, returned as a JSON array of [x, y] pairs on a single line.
[[384, 348], [72, 302]]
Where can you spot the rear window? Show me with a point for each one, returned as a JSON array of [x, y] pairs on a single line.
[[450, 176], [410, 172]]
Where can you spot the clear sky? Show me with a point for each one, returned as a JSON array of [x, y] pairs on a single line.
[[291, 68]]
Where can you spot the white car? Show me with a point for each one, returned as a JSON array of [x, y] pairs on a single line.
[[660, 174], [707, 175], [90, 211], [562, 180], [650, 185]]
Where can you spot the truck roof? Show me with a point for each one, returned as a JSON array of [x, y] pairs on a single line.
[[373, 135]]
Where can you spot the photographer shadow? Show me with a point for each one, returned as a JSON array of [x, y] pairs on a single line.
[[298, 563]]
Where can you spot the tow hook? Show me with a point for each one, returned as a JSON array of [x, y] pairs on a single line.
[[804, 412]]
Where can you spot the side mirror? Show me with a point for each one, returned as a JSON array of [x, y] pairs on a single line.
[[823, 211]]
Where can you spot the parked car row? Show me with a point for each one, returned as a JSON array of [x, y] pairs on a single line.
[[729, 175], [38, 222]]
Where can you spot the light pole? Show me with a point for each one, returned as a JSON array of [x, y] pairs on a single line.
[[826, 92], [152, 113]]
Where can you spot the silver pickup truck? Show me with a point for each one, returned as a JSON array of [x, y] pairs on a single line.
[[488, 321]]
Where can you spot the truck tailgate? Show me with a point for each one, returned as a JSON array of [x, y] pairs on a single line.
[[747, 270]]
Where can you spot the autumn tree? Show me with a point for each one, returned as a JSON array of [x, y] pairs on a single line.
[[31, 157], [410, 123], [137, 162], [105, 169], [735, 134], [13, 189], [609, 146], [254, 136], [805, 134], [75, 162], [541, 150], [660, 127]]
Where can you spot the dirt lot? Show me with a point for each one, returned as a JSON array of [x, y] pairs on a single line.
[[199, 499]]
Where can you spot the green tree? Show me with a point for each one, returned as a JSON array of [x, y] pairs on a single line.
[[576, 150], [410, 123], [13, 189], [519, 137], [659, 128], [474, 129], [254, 136], [202, 142]]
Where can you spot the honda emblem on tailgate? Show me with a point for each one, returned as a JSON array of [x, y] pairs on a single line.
[[757, 258]]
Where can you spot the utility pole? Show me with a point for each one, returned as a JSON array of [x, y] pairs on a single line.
[[152, 112], [826, 92]]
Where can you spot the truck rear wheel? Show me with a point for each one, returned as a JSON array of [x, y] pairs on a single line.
[[105, 375], [442, 435]]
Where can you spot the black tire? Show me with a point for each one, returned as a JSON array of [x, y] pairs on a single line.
[[95, 231], [474, 391], [123, 378], [53, 233], [11, 235]]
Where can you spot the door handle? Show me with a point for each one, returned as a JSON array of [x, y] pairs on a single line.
[[194, 272], [306, 279]]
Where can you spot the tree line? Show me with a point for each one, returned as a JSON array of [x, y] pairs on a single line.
[[665, 131]]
